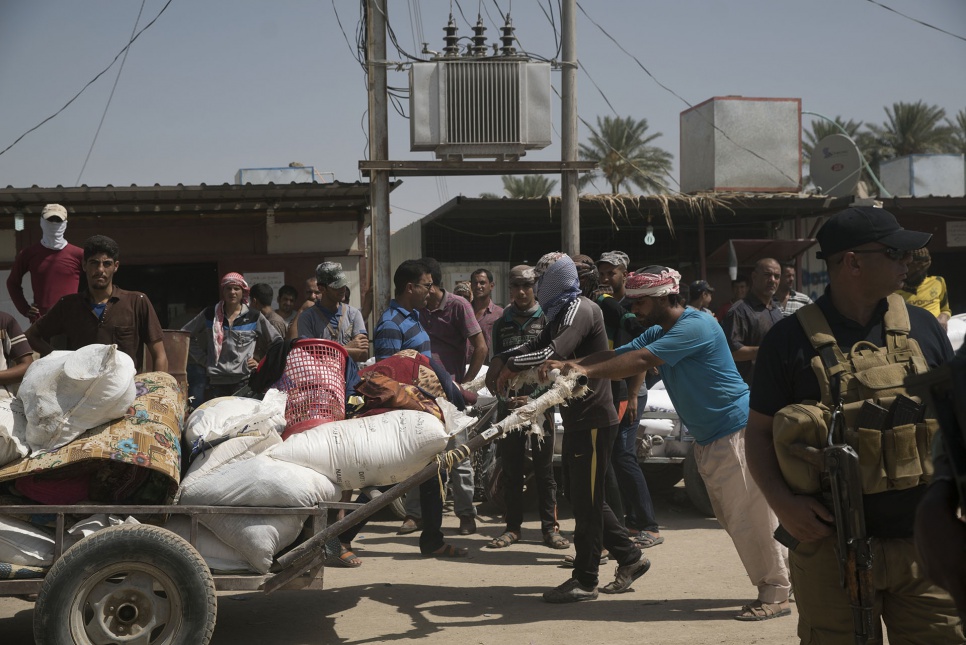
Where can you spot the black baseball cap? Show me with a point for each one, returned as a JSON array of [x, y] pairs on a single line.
[[863, 224], [698, 286]]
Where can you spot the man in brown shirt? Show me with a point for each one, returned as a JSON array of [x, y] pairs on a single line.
[[104, 314]]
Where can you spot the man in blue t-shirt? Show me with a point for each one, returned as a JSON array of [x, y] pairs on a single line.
[[692, 355]]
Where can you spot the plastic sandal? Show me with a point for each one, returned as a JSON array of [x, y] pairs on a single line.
[[554, 540], [348, 559], [505, 540], [645, 540], [759, 610]]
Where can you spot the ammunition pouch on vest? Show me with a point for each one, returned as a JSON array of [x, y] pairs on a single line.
[[891, 458]]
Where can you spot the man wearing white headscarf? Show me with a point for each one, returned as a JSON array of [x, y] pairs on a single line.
[[575, 329], [691, 353], [54, 265]]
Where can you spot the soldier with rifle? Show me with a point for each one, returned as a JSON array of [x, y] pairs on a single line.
[[840, 448]]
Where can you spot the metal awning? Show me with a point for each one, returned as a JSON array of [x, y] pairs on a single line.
[[745, 253]]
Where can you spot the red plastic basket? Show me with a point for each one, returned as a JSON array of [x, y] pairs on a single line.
[[314, 379]]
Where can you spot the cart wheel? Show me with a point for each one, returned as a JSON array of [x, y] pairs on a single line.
[[694, 486], [127, 584], [661, 478], [398, 506]]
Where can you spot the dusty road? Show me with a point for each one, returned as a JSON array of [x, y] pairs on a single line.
[[695, 586]]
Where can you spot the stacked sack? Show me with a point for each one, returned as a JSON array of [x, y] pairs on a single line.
[[241, 460]]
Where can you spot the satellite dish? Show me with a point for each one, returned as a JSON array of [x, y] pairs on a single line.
[[835, 165]]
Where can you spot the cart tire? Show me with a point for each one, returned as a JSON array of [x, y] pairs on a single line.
[[694, 486], [139, 584], [661, 478], [398, 506]]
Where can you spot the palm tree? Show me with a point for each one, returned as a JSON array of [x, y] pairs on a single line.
[[526, 187], [620, 146], [959, 131], [913, 128]]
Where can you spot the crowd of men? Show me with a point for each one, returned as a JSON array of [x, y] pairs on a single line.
[[729, 373]]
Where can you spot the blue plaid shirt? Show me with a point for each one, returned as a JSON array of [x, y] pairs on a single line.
[[399, 329]]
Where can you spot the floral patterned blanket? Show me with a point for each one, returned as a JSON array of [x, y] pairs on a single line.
[[134, 459]]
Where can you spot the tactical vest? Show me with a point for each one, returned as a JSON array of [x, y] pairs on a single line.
[[891, 458]]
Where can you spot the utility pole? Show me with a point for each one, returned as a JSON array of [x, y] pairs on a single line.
[[378, 151], [570, 220]]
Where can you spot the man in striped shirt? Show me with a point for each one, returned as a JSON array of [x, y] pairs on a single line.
[[399, 327]]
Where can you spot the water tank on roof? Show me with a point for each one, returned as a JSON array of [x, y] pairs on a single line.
[[738, 144], [923, 175], [480, 107]]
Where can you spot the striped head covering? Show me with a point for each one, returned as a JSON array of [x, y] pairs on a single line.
[[217, 327], [652, 281], [588, 274], [557, 283]]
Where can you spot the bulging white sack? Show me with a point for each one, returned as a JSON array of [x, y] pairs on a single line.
[[372, 451], [228, 416], [258, 481], [25, 544], [13, 431], [255, 481], [218, 556], [65, 394]]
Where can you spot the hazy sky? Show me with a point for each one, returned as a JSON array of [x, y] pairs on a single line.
[[218, 85]]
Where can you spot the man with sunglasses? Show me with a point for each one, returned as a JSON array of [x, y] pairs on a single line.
[[867, 254]]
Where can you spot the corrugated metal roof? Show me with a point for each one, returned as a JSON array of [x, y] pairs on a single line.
[[190, 200]]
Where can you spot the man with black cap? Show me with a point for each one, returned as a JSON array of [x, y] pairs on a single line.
[[54, 265], [867, 253], [700, 294]]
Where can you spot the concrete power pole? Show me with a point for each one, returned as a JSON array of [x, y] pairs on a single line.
[[378, 151], [570, 220]]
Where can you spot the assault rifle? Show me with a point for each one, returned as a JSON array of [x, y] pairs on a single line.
[[842, 494]]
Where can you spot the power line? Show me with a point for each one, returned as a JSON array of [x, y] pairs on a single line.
[[924, 24], [682, 99], [92, 81], [109, 98]]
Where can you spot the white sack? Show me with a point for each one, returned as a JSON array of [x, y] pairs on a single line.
[[65, 394], [657, 427], [257, 538], [25, 544], [218, 556], [658, 405], [371, 451], [234, 449], [258, 481], [13, 431], [956, 330], [228, 416]]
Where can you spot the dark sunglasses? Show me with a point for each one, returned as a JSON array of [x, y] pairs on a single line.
[[893, 254]]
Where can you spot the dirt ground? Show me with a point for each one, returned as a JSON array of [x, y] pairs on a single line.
[[695, 586]]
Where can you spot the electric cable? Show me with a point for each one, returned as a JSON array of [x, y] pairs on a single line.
[[924, 24], [109, 98], [92, 81]]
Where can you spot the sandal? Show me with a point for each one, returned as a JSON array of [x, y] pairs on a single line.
[[505, 540], [568, 560], [554, 540], [348, 559], [646, 540], [448, 551], [759, 610]]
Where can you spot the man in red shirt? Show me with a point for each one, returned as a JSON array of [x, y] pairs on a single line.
[[54, 266]]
